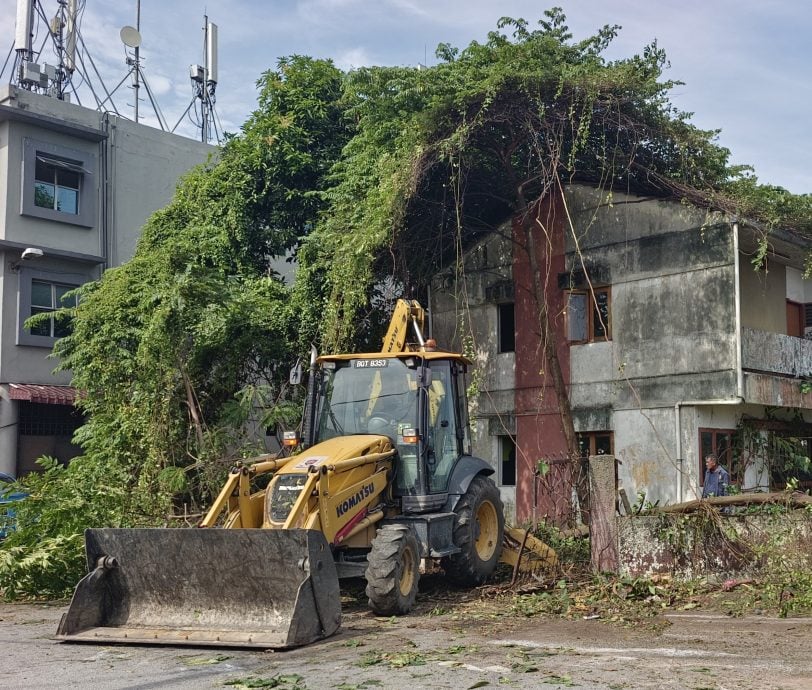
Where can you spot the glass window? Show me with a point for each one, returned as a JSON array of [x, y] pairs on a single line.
[[47, 298], [588, 315], [56, 187], [444, 443], [58, 183], [600, 315], [576, 317], [363, 396]]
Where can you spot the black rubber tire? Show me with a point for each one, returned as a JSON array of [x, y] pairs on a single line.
[[480, 508], [393, 572]]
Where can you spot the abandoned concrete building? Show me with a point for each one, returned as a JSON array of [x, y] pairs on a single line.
[[672, 341]]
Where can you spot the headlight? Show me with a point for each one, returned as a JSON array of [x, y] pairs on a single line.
[[284, 492]]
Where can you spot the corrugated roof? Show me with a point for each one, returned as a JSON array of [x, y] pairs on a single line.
[[34, 392]]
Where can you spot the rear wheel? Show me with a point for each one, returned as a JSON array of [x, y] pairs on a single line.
[[393, 572], [478, 528]]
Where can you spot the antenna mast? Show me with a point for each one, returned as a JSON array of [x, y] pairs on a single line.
[[206, 81]]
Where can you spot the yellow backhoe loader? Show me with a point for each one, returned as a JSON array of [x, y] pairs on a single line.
[[384, 482]]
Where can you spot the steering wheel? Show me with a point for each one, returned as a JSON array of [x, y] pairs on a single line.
[[379, 425]]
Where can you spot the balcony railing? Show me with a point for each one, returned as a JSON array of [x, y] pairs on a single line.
[[776, 353]]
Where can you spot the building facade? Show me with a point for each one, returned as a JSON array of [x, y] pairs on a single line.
[[78, 186], [672, 345]]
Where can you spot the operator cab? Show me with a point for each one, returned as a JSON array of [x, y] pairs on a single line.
[[416, 399]]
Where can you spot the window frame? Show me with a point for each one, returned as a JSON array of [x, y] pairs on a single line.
[[727, 461], [26, 278], [592, 438], [82, 163], [590, 299]]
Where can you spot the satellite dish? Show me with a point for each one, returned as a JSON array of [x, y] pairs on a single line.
[[130, 36]]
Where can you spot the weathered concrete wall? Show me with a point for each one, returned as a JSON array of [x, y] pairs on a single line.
[[776, 353], [646, 450], [764, 297], [693, 546]]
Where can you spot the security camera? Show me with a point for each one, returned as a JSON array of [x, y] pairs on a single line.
[[31, 253]]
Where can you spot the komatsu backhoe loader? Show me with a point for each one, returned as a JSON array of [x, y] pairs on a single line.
[[384, 482]]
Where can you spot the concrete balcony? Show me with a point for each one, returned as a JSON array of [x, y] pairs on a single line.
[[773, 365], [775, 353]]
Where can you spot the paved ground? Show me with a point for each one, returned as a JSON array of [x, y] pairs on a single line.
[[438, 648]]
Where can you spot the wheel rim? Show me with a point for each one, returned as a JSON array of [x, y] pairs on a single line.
[[408, 561], [487, 526]]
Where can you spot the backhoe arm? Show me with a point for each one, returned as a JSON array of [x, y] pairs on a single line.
[[406, 312]]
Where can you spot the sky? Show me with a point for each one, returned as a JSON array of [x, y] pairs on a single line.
[[744, 64]]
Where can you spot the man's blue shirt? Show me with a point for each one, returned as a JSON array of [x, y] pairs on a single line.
[[716, 482]]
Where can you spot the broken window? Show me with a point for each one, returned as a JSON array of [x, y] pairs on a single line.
[[595, 443], [588, 315]]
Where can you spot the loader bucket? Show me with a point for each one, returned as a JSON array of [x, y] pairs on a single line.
[[219, 587]]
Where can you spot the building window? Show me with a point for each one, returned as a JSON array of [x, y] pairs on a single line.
[[46, 298], [42, 292], [588, 315], [719, 443], [595, 443], [507, 461], [58, 183], [506, 327]]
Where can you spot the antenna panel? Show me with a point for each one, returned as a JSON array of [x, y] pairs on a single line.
[[25, 17], [211, 52]]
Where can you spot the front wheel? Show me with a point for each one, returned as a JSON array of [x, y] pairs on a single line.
[[393, 572], [479, 523]]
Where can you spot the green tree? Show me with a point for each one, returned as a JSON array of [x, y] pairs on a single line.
[[175, 348]]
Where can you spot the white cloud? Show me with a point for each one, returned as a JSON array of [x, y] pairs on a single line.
[[353, 58]]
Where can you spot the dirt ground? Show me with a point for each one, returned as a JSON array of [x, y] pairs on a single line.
[[457, 643]]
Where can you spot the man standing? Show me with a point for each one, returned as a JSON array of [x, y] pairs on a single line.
[[716, 478]]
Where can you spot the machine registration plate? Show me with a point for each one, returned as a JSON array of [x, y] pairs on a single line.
[[370, 363]]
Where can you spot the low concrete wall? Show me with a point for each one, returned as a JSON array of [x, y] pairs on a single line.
[[697, 545]]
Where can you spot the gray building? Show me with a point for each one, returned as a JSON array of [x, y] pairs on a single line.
[[673, 345], [78, 186]]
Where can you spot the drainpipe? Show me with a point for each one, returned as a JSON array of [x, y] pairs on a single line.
[[739, 399], [105, 194]]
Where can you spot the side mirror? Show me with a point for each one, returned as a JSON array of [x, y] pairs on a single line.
[[295, 377]]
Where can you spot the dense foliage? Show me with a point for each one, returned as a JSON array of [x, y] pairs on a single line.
[[375, 179]]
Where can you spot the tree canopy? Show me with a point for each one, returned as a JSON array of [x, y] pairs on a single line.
[[374, 180]]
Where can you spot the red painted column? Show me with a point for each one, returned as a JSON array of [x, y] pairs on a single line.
[[539, 432]]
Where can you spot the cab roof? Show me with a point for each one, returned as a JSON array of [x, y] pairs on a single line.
[[429, 356]]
